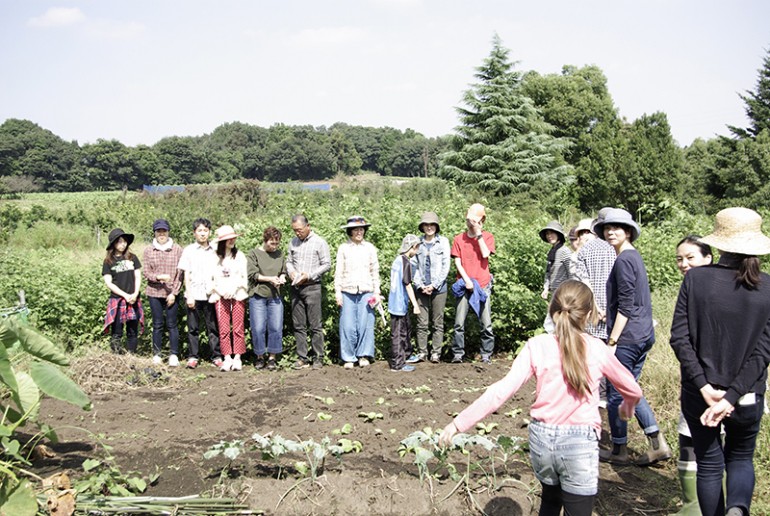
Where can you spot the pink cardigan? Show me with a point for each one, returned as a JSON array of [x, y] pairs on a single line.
[[555, 402]]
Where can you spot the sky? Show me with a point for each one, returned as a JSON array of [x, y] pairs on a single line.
[[141, 70]]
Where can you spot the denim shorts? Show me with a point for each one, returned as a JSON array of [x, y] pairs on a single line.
[[566, 456]]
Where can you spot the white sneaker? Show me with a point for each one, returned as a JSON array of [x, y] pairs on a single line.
[[363, 362], [348, 365], [227, 364], [173, 361], [157, 360], [237, 364]]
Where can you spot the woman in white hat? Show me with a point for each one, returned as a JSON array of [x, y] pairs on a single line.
[[630, 328], [721, 336], [228, 290], [357, 290]]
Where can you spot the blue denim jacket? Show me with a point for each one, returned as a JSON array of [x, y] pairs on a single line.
[[439, 264]]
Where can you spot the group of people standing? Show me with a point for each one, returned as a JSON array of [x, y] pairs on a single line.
[[720, 334], [219, 281], [599, 326]]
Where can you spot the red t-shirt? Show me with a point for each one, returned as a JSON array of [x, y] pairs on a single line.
[[468, 251]]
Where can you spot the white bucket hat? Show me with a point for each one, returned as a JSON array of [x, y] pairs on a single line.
[[408, 242], [738, 230]]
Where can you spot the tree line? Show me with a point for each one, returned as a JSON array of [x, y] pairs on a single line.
[[557, 139]]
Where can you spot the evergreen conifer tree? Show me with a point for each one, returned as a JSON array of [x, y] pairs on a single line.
[[503, 144], [757, 104]]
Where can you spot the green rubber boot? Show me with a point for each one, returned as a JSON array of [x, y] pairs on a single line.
[[687, 477]]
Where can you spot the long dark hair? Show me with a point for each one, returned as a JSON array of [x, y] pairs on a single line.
[[749, 269], [111, 257], [222, 247]]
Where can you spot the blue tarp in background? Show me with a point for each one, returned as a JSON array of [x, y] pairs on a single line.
[[161, 189]]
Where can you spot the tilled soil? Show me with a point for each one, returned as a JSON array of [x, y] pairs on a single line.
[[166, 425]]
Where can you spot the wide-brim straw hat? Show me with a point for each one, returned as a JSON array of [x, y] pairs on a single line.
[[618, 217], [429, 218], [738, 230], [408, 242], [356, 221], [225, 233], [555, 227], [117, 233]]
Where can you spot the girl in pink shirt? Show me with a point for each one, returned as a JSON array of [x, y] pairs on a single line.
[[565, 428]]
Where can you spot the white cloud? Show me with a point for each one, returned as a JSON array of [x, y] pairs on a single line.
[[57, 17], [329, 36]]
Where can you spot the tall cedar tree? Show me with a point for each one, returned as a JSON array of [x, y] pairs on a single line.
[[502, 144], [757, 104]]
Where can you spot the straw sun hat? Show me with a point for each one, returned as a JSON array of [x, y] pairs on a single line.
[[738, 230]]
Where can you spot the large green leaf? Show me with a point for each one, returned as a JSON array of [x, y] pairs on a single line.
[[52, 381], [20, 502], [6, 371], [8, 336], [12, 416], [29, 395], [37, 345]]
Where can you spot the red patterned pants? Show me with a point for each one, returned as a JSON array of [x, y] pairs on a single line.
[[230, 310]]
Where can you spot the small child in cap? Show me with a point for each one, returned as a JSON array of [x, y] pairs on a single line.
[[401, 294]]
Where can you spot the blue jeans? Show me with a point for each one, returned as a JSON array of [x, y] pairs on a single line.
[[566, 456], [485, 322], [356, 327], [632, 356], [735, 456], [159, 308], [266, 313]]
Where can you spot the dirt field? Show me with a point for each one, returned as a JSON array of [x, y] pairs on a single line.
[[169, 423]]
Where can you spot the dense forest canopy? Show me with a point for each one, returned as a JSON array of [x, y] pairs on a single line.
[[556, 139]]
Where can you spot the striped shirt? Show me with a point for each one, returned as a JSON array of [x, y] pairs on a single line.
[[594, 265], [557, 272], [310, 256]]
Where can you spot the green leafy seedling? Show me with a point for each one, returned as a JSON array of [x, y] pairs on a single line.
[[346, 429], [322, 416], [370, 416], [485, 428]]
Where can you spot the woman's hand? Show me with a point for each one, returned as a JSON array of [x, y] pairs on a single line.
[[711, 395], [626, 411], [170, 300], [338, 298], [716, 413], [544, 293], [449, 431]]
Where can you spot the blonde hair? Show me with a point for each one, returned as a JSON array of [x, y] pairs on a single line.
[[571, 308]]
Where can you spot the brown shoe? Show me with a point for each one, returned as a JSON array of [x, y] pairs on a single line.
[[658, 451], [619, 459]]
